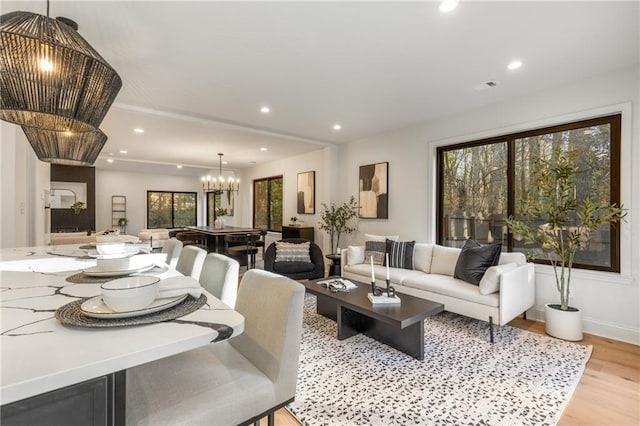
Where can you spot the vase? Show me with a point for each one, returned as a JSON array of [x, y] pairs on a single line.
[[566, 325], [218, 223]]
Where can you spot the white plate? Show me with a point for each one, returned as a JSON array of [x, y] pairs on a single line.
[[95, 272], [96, 308], [128, 251]]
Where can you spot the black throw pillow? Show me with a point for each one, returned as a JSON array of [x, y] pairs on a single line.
[[400, 254], [475, 259]]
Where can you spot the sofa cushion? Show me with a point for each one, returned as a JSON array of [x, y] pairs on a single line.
[[490, 282], [453, 287], [422, 254], [292, 252], [355, 255], [375, 250], [443, 260], [475, 259], [400, 254], [515, 257]]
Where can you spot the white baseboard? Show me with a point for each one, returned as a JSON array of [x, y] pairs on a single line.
[[597, 328]]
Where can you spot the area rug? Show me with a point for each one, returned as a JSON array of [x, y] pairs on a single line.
[[522, 379]]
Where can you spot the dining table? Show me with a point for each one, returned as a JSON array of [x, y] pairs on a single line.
[[64, 367]]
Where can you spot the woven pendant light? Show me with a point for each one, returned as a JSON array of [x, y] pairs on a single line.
[[50, 77], [71, 149]]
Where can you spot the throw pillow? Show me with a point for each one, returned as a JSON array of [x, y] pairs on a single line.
[[400, 254], [475, 259], [490, 282], [355, 255], [375, 249], [292, 252]]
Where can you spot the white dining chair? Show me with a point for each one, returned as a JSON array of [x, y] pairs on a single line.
[[190, 261], [219, 277], [172, 247], [236, 381]]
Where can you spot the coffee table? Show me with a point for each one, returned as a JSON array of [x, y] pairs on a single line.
[[399, 326]]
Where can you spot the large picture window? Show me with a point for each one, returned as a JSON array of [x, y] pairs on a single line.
[[267, 203], [168, 209], [480, 184]]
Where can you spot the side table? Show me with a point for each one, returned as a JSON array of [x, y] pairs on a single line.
[[334, 268]]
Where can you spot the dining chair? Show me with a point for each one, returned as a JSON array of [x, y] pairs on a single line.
[[236, 381], [219, 277], [244, 248], [172, 247], [190, 261]]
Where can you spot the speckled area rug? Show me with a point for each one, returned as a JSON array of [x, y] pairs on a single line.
[[522, 379]]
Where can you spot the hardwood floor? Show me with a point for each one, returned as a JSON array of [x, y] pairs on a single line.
[[608, 392]]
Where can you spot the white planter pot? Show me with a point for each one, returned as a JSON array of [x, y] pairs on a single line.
[[566, 325]]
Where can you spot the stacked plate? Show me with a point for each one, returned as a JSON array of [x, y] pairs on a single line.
[[118, 260]]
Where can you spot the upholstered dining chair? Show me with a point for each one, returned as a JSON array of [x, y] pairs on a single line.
[[190, 261], [236, 381], [242, 247], [172, 247], [219, 277]]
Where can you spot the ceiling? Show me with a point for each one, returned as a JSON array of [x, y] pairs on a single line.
[[195, 74]]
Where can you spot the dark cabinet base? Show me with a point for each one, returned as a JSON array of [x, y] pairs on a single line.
[[305, 233]]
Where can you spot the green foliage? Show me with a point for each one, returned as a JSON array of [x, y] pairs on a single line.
[[221, 211], [339, 220], [78, 206], [568, 222], [123, 221]]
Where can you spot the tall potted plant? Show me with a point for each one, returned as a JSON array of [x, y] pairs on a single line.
[[567, 228], [338, 220]]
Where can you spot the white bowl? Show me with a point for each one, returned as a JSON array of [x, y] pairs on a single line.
[[130, 293], [110, 248]]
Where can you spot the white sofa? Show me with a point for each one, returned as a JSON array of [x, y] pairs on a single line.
[[432, 279]]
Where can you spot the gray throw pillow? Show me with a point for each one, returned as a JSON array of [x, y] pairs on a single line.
[[475, 259]]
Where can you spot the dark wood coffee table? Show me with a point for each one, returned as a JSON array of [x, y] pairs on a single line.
[[399, 326]]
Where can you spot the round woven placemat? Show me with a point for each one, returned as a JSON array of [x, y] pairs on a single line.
[[82, 278], [71, 314]]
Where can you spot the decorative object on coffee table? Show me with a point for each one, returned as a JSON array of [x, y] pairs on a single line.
[[568, 227], [374, 194], [307, 193]]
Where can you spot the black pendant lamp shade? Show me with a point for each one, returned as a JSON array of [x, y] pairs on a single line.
[[68, 148], [50, 77]]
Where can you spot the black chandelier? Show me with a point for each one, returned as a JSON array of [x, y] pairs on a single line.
[[50, 77], [68, 148]]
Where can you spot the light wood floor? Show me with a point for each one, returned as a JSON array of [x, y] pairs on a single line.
[[608, 393]]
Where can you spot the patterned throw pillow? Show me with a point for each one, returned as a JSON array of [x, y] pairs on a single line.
[[292, 252], [400, 254], [375, 249]]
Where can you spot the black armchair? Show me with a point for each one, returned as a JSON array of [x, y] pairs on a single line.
[[296, 270]]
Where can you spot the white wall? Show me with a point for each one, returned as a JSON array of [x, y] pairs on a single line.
[[610, 302], [135, 186]]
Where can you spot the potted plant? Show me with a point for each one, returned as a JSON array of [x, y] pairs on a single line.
[[78, 206], [123, 221], [567, 228], [293, 220], [338, 220]]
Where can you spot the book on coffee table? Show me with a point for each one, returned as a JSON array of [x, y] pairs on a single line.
[[395, 300]]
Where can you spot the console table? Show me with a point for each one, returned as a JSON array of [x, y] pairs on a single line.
[[303, 232]]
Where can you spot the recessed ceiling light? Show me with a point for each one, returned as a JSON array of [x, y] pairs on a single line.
[[448, 5], [514, 65], [138, 130], [179, 166], [337, 127], [123, 151], [265, 110], [109, 160], [225, 162], [263, 149]]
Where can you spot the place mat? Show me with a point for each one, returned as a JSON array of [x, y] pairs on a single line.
[[82, 278], [71, 314]]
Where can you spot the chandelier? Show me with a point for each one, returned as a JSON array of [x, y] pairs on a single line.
[[68, 148], [219, 185], [50, 77]]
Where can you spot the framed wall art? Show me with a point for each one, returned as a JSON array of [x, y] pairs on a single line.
[[307, 192], [374, 194]]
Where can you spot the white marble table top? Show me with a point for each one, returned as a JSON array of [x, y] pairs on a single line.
[[39, 354]]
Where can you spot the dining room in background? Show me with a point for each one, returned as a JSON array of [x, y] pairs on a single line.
[[307, 192], [373, 192]]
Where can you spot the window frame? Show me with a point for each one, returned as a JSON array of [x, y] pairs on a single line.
[[253, 217], [173, 193], [615, 165]]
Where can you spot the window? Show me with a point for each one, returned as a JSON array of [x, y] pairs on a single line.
[[214, 201], [267, 203], [481, 182], [167, 209]]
